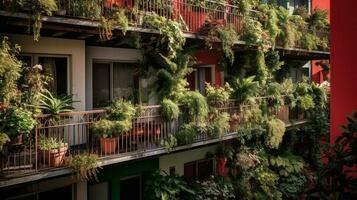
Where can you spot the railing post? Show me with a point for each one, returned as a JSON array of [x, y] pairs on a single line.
[[36, 153]]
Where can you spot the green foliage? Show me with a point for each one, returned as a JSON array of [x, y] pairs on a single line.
[[289, 25], [118, 120], [170, 110], [49, 143], [122, 21], [34, 85], [172, 39], [305, 102], [287, 164], [196, 105], [169, 143], [87, 9], [54, 105], [336, 178], [268, 181], [188, 133], [246, 88], [224, 151], [318, 19], [292, 185], [245, 6], [219, 126], [275, 133], [16, 121], [310, 41], [10, 72], [105, 28], [228, 38], [4, 138], [272, 60], [103, 128], [254, 33], [172, 76], [263, 73], [121, 110], [37, 9], [214, 188], [85, 166], [218, 96], [166, 187], [274, 95]]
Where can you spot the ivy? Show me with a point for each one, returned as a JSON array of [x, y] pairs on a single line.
[[275, 133]]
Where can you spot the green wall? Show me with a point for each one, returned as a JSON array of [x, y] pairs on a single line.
[[113, 173]]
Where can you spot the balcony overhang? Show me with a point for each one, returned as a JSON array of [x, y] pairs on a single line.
[[84, 29]]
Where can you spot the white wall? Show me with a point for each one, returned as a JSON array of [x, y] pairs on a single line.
[[105, 53], [178, 160], [75, 49]]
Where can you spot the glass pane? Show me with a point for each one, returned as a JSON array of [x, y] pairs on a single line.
[[57, 69], [98, 191], [130, 189], [57, 194], [124, 84], [101, 84]]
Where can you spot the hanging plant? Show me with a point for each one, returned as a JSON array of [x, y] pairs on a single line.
[[275, 131], [172, 38], [228, 37], [85, 166], [122, 20], [105, 28], [37, 9]]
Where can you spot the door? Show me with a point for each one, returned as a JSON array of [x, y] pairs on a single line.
[[130, 188]]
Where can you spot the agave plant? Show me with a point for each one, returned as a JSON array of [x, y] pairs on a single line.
[[53, 105]]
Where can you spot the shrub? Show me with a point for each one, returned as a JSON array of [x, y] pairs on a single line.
[[275, 133], [17, 121], [218, 96], [121, 110], [170, 109], [196, 105]]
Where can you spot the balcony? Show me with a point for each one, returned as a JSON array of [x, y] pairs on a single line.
[[192, 15], [143, 140]]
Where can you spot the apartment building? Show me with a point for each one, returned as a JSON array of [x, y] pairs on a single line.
[[97, 71]]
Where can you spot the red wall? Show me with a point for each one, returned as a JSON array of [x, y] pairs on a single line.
[[321, 4], [343, 63], [317, 74], [210, 58]]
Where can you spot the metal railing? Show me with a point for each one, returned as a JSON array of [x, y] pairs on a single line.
[[75, 130], [191, 14]]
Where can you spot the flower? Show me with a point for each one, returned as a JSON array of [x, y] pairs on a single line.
[[38, 67]]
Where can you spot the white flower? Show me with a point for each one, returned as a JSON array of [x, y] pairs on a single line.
[[38, 66]]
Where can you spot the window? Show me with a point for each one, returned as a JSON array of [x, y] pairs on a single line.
[[201, 169], [130, 188], [57, 66], [200, 76], [98, 191], [113, 80]]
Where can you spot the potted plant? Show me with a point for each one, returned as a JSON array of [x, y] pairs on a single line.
[[16, 122], [52, 150], [222, 155], [118, 121]]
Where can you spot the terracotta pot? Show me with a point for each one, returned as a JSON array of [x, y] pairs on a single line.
[[119, 3], [54, 157], [3, 106], [108, 145], [221, 165], [16, 141]]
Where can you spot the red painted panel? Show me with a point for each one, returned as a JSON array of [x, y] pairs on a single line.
[[210, 58], [343, 63], [321, 4]]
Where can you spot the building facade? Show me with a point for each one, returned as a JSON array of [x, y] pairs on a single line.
[[97, 72]]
